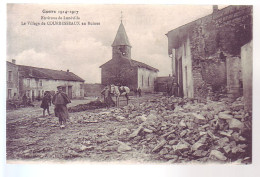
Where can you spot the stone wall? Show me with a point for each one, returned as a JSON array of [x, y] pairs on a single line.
[[213, 39], [234, 77], [119, 71], [93, 89], [146, 79]]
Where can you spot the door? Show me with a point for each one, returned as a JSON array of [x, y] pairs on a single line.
[[180, 78], [70, 91]]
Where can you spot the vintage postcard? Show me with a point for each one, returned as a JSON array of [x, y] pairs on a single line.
[[132, 84]]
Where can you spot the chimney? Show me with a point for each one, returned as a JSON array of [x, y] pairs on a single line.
[[13, 61], [215, 8], [68, 70]]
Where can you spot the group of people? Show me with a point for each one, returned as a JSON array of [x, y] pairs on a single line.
[[60, 101]]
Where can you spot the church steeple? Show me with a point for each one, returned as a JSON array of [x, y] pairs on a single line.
[[121, 45]]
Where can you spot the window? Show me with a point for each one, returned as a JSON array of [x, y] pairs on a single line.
[[148, 81], [40, 83], [9, 93], [28, 82], [9, 76], [142, 80]]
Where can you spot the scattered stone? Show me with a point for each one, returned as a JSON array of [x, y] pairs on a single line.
[[235, 124], [182, 123], [223, 115], [198, 116], [196, 146], [124, 131], [142, 118], [180, 147], [120, 118], [147, 130], [136, 132], [173, 142], [183, 133], [159, 146], [164, 151], [218, 155], [228, 134], [123, 147]]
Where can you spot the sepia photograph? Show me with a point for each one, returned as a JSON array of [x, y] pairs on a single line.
[[96, 83], [129, 83]]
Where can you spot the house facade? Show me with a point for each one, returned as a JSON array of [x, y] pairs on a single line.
[[35, 81], [123, 70], [12, 79], [206, 53]]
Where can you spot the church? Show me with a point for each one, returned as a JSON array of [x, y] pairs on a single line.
[[123, 70]]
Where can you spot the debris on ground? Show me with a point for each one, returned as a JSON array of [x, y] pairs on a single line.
[[156, 129]]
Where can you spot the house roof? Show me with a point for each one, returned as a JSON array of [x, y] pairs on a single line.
[[133, 63], [142, 65], [121, 37], [43, 73]]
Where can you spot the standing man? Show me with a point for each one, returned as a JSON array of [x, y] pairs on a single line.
[[60, 100], [45, 104], [107, 96], [139, 92]]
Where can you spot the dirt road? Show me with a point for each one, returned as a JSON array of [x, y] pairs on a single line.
[[30, 136]]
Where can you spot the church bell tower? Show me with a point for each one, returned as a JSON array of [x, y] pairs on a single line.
[[121, 46]]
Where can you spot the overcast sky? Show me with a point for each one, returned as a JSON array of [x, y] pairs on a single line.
[[82, 49]]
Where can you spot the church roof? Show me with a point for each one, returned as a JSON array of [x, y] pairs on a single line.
[[121, 37], [132, 63]]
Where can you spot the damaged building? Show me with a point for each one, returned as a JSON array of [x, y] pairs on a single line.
[[123, 70], [213, 54]]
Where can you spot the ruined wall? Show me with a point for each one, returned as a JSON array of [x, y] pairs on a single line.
[[215, 37], [247, 73], [212, 38], [234, 77]]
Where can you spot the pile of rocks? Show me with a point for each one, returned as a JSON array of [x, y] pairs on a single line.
[[90, 106], [182, 130]]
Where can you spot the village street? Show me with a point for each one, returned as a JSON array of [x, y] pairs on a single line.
[[151, 129]]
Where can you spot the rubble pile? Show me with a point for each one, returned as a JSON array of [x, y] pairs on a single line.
[[90, 106], [181, 130]]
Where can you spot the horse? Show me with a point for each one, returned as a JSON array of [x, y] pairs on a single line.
[[120, 91]]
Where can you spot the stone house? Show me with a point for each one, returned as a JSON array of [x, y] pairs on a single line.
[[122, 69], [163, 83], [12, 79], [206, 53], [35, 81]]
